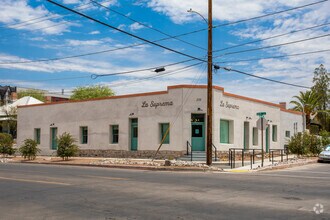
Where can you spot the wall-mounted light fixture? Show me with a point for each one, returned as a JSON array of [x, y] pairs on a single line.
[[52, 124], [131, 114], [248, 118], [269, 121], [199, 109]]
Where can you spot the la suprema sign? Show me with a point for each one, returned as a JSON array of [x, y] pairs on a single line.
[[154, 104], [228, 105]]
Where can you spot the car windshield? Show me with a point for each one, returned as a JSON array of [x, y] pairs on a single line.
[[327, 148]]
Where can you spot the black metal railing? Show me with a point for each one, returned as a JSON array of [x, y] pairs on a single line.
[[215, 153], [191, 151], [281, 153]]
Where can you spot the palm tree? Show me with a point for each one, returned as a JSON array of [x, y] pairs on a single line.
[[307, 102]]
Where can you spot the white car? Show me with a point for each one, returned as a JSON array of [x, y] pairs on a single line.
[[325, 155]]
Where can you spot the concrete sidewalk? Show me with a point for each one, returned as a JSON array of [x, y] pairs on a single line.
[[276, 164]]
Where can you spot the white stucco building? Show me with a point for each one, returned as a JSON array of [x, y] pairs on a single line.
[[136, 123]]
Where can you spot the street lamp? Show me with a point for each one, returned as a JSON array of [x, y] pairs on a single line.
[[209, 84]]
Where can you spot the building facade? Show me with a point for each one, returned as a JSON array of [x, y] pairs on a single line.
[[139, 122]]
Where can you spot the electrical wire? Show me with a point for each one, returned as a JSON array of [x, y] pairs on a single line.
[[272, 37], [264, 78], [270, 14], [147, 26], [124, 32], [274, 57], [271, 46]]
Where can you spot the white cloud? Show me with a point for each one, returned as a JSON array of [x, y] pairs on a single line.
[[135, 26], [13, 12], [94, 32]]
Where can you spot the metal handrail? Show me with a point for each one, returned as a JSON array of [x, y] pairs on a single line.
[[215, 153], [271, 152], [191, 152]]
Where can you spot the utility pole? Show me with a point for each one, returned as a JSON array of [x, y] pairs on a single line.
[[209, 88]]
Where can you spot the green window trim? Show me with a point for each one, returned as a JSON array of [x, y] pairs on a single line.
[[84, 135], [37, 132], [53, 133], [224, 131], [287, 134], [163, 128], [274, 133], [114, 134]]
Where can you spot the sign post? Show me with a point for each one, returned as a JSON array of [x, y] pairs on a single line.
[[261, 125]]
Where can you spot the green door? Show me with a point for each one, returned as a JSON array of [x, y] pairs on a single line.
[[197, 132], [267, 139], [53, 140], [134, 134]]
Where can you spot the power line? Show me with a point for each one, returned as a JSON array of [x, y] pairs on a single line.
[[271, 46], [124, 32], [175, 71], [272, 37], [270, 14], [274, 57], [264, 78], [37, 18], [95, 76], [147, 26], [140, 44]]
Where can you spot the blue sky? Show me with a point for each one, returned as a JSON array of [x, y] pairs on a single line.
[[36, 29]]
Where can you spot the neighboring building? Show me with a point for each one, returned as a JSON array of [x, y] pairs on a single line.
[[135, 124], [49, 96], [8, 114], [7, 95]]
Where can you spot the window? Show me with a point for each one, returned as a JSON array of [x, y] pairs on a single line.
[[255, 136], [287, 134], [163, 129], [114, 129], [274, 133], [224, 131], [37, 135], [53, 138], [83, 135]]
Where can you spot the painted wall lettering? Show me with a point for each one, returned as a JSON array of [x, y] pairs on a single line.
[[228, 105], [155, 105]]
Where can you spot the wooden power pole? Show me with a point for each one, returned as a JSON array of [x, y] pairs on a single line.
[[209, 88]]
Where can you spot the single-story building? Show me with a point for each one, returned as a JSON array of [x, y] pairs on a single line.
[[135, 124]]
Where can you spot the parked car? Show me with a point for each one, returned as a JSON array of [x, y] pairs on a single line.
[[325, 155]]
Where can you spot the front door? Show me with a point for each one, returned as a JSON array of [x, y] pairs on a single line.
[[134, 134], [197, 132], [53, 138]]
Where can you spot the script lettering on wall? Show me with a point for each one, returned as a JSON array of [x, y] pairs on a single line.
[[228, 105], [155, 105]]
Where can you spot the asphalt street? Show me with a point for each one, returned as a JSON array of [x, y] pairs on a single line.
[[63, 192]]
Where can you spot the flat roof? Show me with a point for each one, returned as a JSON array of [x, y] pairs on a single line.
[[166, 92]]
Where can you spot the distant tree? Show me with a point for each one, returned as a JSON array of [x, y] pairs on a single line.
[[306, 102], [66, 146], [321, 82], [29, 149], [90, 92], [6, 144], [37, 94]]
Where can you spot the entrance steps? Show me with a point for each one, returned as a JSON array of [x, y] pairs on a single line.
[[199, 156]]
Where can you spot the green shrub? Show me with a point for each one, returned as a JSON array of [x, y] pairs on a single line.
[[6, 144], [305, 144], [66, 147], [29, 149], [325, 137]]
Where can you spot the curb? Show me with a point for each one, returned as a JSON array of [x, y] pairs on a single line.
[[285, 166], [124, 166]]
